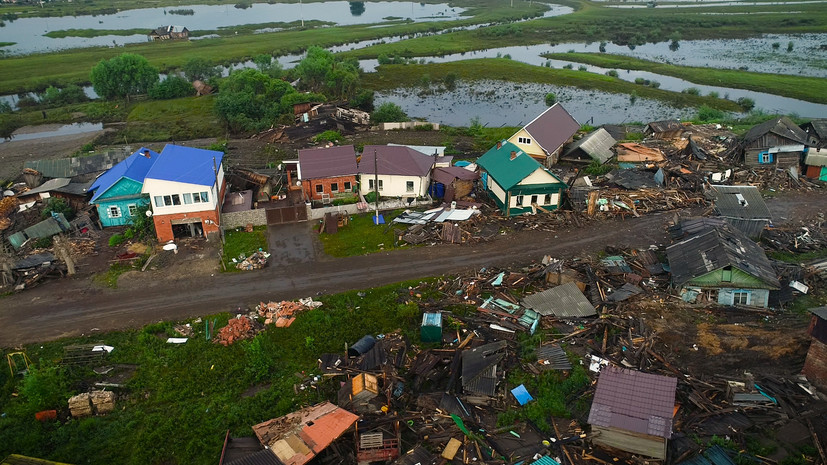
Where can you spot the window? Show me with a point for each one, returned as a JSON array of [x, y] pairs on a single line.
[[726, 275], [114, 211], [204, 197], [764, 158], [319, 188], [159, 201], [348, 187], [370, 184], [519, 200], [524, 140], [167, 200], [533, 199], [176, 199], [547, 201], [740, 298], [132, 209], [187, 199], [334, 187], [409, 186]]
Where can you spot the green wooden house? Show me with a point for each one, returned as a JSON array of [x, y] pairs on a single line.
[[724, 265], [117, 192], [517, 182]]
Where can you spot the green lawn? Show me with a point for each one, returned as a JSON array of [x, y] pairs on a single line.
[[183, 398], [238, 241], [361, 236]]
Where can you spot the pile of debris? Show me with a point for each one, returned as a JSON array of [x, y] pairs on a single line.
[[239, 328], [255, 261], [284, 313], [92, 403]]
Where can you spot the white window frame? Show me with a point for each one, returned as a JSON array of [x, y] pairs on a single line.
[[737, 297], [159, 201], [520, 200], [319, 189], [187, 199], [370, 184], [348, 186], [334, 187], [113, 211]]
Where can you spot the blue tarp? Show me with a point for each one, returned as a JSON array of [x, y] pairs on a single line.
[[378, 219], [521, 394]]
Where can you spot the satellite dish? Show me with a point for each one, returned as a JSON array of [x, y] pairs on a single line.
[[148, 213], [279, 167]]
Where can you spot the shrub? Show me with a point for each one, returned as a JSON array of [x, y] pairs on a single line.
[[713, 94], [692, 91], [582, 68], [654, 84], [171, 87], [5, 107], [116, 240], [389, 112], [612, 73], [57, 205], [450, 81], [776, 45], [363, 100], [790, 46], [746, 103], [424, 127], [708, 114], [328, 136], [551, 99], [43, 242]]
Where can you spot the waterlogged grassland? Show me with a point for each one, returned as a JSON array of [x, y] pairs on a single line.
[[176, 119], [811, 89], [93, 32], [223, 31], [499, 69]]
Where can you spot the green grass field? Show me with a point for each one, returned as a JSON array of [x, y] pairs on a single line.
[[360, 236]]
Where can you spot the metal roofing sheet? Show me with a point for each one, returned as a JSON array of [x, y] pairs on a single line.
[[70, 167], [814, 158], [447, 175], [135, 167], [597, 144], [782, 126], [479, 367], [743, 202], [507, 171], [328, 162], [262, 457], [564, 301], [34, 260], [521, 394], [552, 128], [395, 159], [48, 186], [186, 165], [820, 312], [553, 357], [634, 401]]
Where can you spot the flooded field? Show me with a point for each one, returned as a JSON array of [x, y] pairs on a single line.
[[500, 103]]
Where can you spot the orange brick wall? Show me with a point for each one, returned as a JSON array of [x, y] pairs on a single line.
[[815, 367], [309, 186], [163, 223]]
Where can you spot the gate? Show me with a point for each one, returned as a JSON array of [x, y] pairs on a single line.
[[284, 215]]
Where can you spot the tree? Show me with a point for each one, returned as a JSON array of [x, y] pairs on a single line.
[[68, 95], [57, 205], [357, 8], [172, 87], [200, 69], [551, 99], [249, 100], [363, 100], [321, 71], [123, 75], [388, 112]]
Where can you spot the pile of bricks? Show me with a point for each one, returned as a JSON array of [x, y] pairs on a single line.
[[281, 313], [236, 329]]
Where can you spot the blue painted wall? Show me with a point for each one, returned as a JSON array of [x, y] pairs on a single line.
[[123, 194]]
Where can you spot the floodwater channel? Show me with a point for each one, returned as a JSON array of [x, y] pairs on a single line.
[[64, 130]]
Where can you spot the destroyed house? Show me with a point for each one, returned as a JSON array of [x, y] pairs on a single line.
[[298, 437], [815, 366], [452, 182], [564, 301], [169, 33], [816, 132], [742, 207], [328, 172], [632, 411], [52, 225], [775, 143], [724, 265], [117, 192], [666, 129], [479, 368], [594, 146], [83, 168], [544, 137], [517, 182], [74, 193]]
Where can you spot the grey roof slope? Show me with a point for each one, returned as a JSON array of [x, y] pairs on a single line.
[[728, 205], [820, 127], [634, 401], [48, 186], [820, 312], [70, 167], [553, 127], [564, 301], [781, 126], [665, 125], [597, 144], [395, 159], [479, 368], [448, 174], [715, 249], [328, 162]]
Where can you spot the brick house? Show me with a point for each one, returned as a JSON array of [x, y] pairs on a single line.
[[327, 172], [186, 186], [815, 366]]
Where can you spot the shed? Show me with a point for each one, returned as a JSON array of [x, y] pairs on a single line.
[[815, 163], [564, 301], [632, 411], [479, 368], [55, 224], [815, 366], [666, 129], [742, 207], [594, 146], [431, 330], [816, 131]]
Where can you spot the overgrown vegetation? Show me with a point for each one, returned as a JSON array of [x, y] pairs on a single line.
[[360, 236], [239, 243]]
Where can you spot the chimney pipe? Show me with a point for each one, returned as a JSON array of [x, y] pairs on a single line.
[[146, 154], [513, 154], [499, 144]]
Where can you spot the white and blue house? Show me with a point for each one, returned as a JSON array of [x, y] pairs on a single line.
[[117, 193]]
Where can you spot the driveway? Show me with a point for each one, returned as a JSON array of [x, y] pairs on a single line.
[[293, 243]]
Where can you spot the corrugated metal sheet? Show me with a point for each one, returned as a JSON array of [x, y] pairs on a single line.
[[596, 144], [565, 301], [479, 368], [553, 357], [783, 127], [47, 186], [744, 202], [46, 228], [262, 457], [186, 165], [820, 312], [71, 167]]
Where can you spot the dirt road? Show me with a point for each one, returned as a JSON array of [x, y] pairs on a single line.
[[70, 307]]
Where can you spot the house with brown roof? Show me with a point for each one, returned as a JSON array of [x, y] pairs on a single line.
[[633, 411], [400, 171], [778, 142], [327, 173], [169, 33], [544, 137]]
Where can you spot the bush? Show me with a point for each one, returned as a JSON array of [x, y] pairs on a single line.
[[746, 103], [44, 388], [66, 96], [57, 205], [691, 91], [389, 112], [116, 240], [172, 87], [450, 81], [582, 68], [708, 114], [424, 127], [551, 99], [612, 73], [43, 242], [328, 136], [5, 107], [363, 100], [654, 84]]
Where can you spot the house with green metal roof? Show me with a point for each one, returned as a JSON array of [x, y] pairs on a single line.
[[517, 182]]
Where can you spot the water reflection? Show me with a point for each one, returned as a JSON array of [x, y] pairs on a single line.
[[357, 8]]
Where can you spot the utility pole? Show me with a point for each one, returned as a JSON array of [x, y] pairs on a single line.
[[376, 184]]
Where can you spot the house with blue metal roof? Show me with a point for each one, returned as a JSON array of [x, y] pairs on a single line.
[[186, 187], [117, 193], [517, 182]]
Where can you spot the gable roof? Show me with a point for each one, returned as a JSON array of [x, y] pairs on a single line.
[[328, 162], [186, 165], [728, 203], [780, 126], [552, 128], [634, 401], [596, 144], [819, 126], [564, 301], [507, 172], [446, 175], [70, 167], [715, 249], [135, 167], [48, 186], [298, 437], [395, 159]]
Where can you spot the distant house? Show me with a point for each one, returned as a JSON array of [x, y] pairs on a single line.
[[479, 368], [594, 146], [74, 193], [775, 143], [815, 162], [80, 169], [517, 182], [632, 411], [117, 193], [815, 366], [169, 33], [816, 132], [402, 171], [186, 186], [742, 207], [725, 266], [544, 137], [666, 129], [328, 172]]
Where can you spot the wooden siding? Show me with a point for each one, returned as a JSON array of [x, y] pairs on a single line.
[[752, 228], [715, 279], [756, 297], [644, 444], [815, 366], [124, 187], [123, 204]]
